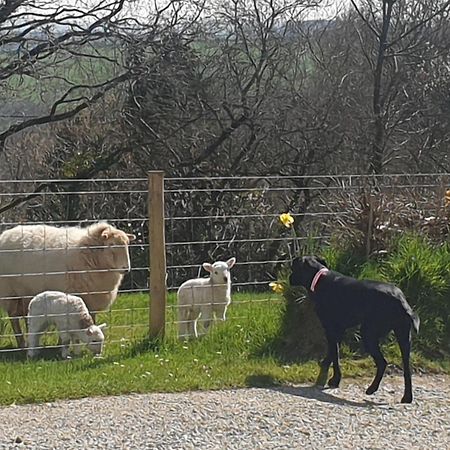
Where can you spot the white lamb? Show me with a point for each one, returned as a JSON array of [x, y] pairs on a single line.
[[70, 316], [201, 298]]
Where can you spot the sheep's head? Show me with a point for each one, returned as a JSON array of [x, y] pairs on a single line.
[[95, 338], [113, 244], [220, 271]]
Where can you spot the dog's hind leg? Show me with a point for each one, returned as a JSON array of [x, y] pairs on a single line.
[[371, 343], [403, 335]]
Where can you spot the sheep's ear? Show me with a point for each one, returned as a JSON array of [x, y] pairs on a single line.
[[100, 230], [208, 267], [102, 325], [231, 262], [131, 237], [106, 233]]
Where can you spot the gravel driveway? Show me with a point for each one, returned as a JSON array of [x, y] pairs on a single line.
[[289, 417]]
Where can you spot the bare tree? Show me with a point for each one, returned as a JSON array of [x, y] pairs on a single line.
[[398, 39], [61, 57]]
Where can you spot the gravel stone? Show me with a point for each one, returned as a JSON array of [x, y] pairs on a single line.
[[282, 417]]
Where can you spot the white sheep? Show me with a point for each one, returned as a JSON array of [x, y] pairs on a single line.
[[72, 320], [90, 262], [201, 298]]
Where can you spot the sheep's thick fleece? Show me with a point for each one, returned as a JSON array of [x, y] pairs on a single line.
[[87, 261]]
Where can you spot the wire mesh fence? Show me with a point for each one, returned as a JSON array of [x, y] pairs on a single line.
[[205, 220]]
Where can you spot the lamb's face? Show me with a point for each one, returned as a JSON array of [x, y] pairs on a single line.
[[220, 271], [95, 338]]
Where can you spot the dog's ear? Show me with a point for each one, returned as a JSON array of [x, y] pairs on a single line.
[[321, 261]]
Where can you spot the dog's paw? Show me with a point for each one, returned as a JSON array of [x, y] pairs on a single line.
[[406, 399], [322, 378], [320, 382], [371, 390], [333, 383]]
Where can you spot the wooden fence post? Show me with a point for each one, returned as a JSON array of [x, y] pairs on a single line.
[[157, 254]]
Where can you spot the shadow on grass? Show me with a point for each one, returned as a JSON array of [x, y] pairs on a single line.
[[11, 353], [143, 346], [14, 354]]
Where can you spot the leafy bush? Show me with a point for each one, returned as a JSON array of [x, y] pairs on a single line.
[[417, 266], [422, 271]]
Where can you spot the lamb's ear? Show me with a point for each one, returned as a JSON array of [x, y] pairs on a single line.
[[131, 237], [86, 321], [208, 267], [102, 325], [231, 262]]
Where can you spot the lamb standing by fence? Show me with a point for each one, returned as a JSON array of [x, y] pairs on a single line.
[[72, 320], [201, 298], [88, 261]]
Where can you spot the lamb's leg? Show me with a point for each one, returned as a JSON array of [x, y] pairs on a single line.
[[35, 328], [207, 316], [76, 345], [182, 322], [221, 310], [193, 326], [65, 343]]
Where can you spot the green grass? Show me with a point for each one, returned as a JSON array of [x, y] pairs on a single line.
[[240, 352]]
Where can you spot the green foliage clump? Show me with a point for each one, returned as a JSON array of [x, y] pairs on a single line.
[[422, 270], [416, 265]]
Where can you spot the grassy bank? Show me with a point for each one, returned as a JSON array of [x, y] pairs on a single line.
[[240, 352]]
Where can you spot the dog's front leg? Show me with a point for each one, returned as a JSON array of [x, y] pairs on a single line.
[[325, 364], [323, 374], [336, 378]]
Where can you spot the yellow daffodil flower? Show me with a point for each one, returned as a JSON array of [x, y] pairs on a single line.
[[278, 288], [286, 219]]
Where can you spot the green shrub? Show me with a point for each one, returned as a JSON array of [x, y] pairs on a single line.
[[422, 270], [417, 266]]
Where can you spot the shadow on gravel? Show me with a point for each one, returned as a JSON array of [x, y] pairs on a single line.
[[315, 393], [309, 392]]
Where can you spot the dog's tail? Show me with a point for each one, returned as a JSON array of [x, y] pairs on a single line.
[[415, 321]]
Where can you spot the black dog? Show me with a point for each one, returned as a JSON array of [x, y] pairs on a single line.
[[342, 302]]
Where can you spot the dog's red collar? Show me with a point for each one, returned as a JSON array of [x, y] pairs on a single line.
[[316, 278]]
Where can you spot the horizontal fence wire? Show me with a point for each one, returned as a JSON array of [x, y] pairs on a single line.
[[207, 219]]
